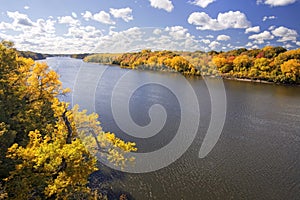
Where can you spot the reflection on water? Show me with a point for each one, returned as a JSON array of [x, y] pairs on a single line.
[[256, 157]]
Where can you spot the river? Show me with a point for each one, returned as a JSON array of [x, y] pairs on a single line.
[[257, 155]]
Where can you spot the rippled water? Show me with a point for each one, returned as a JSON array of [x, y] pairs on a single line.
[[256, 157]]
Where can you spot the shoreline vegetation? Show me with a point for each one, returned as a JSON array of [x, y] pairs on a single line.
[[47, 149], [266, 65]]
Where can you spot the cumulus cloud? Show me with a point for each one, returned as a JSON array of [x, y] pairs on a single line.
[[249, 44], [254, 29], [214, 45], [6, 26], [84, 32], [178, 32], [265, 18], [157, 31], [202, 3], [231, 19], [135, 39], [103, 17], [68, 20], [20, 19], [223, 37], [46, 26], [285, 34], [87, 15], [261, 37], [162, 4], [205, 41], [298, 43], [274, 3], [123, 13]]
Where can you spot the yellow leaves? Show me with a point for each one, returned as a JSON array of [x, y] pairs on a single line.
[[99, 143], [292, 65], [56, 152], [12, 152], [219, 61], [117, 142], [291, 69]]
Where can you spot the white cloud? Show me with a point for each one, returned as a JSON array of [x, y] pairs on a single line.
[[287, 46], [255, 47], [178, 32], [249, 44], [6, 26], [46, 26], [261, 37], [20, 19], [74, 14], [274, 3], [162, 4], [84, 32], [26, 7], [78, 39], [157, 31], [210, 36], [298, 43], [103, 17], [124, 13], [202, 3], [205, 41], [87, 15], [254, 29], [285, 34], [135, 39], [271, 28], [231, 19], [268, 17], [214, 44], [68, 20], [223, 37]]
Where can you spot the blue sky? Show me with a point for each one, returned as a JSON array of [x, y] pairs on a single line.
[[73, 26]]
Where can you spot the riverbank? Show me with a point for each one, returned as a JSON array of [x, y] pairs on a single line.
[[226, 77]]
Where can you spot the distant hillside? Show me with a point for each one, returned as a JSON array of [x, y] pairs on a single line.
[[103, 58], [40, 56]]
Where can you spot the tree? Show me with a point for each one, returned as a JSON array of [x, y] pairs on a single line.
[[43, 139], [241, 63], [291, 70]]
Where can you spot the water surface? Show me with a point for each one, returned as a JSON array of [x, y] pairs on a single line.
[[256, 157]]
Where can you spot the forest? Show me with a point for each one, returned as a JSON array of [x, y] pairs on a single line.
[[48, 150], [269, 64], [41, 56]]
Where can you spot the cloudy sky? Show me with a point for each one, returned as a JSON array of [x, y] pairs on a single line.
[[78, 26]]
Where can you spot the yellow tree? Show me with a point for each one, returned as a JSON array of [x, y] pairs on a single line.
[[241, 63], [43, 138], [291, 70]]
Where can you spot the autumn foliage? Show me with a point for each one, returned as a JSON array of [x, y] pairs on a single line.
[[272, 64], [47, 150]]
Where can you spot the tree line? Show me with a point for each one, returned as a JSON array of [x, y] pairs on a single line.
[[272, 64]]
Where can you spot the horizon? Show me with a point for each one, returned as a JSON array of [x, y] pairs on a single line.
[[222, 51], [71, 27]]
